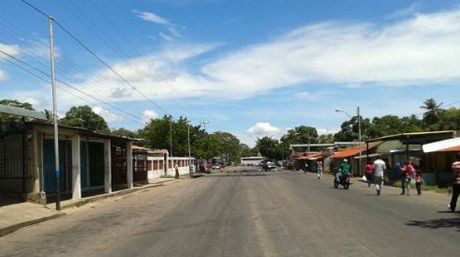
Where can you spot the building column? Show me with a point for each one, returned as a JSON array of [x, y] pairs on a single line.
[[107, 166], [35, 163], [76, 168], [129, 162]]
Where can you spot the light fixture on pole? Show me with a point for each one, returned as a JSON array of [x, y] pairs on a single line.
[[359, 133]]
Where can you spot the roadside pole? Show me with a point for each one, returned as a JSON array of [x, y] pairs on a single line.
[[56, 135], [359, 139]]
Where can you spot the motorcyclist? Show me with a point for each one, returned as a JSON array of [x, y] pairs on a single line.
[[344, 170]]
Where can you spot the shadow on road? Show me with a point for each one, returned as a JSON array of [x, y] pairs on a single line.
[[237, 174], [436, 223]]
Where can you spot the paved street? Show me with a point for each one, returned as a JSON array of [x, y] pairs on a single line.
[[248, 214]]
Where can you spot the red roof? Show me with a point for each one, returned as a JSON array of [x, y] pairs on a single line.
[[349, 152], [309, 156]]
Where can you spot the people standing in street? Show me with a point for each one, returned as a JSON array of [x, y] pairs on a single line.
[[379, 168], [407, 173], [176, 169], [319, 168], [368, 173], [455, 185], [419, 181]]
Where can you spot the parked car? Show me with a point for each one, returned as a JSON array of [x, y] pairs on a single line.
[[269, 166]]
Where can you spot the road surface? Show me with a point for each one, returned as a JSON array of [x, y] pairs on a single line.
[[248, 214]]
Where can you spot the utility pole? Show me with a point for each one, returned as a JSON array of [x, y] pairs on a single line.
[[204, 123], [188, 137], [359, 139], [170, 136], [56, 135]]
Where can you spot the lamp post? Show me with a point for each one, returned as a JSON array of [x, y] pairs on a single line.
[[359, 133]]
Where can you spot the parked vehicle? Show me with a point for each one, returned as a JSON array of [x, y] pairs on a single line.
[[269, 166], [344, 181]]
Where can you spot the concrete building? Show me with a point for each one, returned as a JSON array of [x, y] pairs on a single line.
[[90, 162]]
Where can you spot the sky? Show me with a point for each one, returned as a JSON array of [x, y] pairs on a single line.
[[252, 68]]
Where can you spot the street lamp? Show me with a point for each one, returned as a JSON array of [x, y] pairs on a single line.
[[359, 133]]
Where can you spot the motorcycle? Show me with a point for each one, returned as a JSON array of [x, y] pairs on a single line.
[[344, 181]]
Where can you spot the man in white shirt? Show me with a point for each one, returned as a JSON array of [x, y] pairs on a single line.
[[379, 172]]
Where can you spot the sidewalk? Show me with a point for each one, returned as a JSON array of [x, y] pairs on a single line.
[[18, 215]]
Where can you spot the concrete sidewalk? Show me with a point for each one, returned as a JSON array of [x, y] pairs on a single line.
[[18, 215]]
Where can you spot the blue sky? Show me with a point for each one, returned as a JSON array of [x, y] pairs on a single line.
[[252, 68]]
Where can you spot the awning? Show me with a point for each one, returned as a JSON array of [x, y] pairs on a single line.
[[349, 152], [449, 145], [313, 156]]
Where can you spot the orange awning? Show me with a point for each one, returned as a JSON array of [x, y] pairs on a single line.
[[348, 152]]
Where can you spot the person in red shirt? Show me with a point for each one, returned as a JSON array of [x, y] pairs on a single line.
[[368, 173], [407, 173]]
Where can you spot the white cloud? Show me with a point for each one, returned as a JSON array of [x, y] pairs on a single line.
[[149, 115], [423, 49], [3, 76], [166, 37], [108, 116], [261, 129], [154, 18], [410, 10], [325, 131]]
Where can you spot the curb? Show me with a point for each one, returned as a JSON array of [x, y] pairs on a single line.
[[11, 229], [85, 201]]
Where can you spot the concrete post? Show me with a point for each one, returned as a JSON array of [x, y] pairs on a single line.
[[76, 168], [36, 163], [107, 167], [129, 166]]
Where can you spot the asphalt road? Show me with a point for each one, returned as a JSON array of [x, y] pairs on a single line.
[[249, 214]]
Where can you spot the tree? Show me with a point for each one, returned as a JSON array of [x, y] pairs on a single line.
[[84, 117], [246, 151], [7, 117], [299, 135], [228, 145], [269, 148], [326, 138], [350, 130], [433, 111], [450, 119], [124, 133]]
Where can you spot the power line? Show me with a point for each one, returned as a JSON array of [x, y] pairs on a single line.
[[79, 42], [132, 116]]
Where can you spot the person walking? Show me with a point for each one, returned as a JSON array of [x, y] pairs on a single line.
[[319, 168], [379, 168], [306, 167], [176, 169], [368, 173], [407, 173], [455, 185], [419, 181]]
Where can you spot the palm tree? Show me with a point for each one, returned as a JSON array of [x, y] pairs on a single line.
[[433, 111]]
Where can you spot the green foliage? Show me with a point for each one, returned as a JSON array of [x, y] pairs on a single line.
[[246, 151], [270, 148], [124, 133], [84, 117], [10, 118], [433, 111]]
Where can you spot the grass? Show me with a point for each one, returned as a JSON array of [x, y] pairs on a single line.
[[425, 187]]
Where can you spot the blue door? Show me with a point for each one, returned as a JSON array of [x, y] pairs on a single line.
[[65, 163]]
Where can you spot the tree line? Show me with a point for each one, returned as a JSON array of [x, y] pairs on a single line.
[[156, 133]]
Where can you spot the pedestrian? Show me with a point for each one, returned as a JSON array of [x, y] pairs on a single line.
[[368, 173], [379, 168], [176, 169], [319, 168], [419, 181], [306, 167], [407, 173], [455, 185]]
